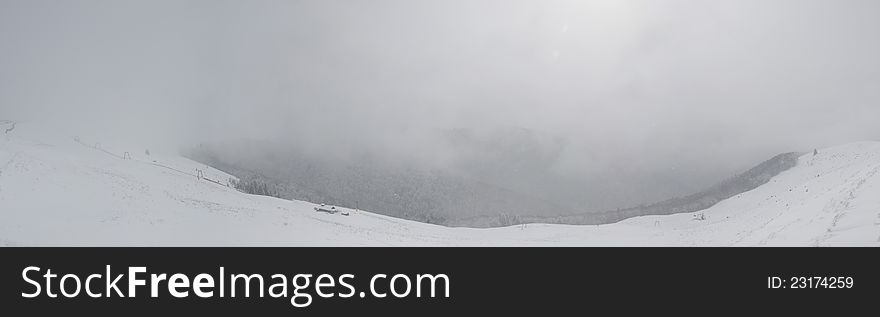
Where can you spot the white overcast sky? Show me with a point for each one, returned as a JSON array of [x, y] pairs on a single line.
[[651, 83]]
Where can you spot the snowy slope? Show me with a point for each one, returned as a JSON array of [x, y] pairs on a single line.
[[57, 189]]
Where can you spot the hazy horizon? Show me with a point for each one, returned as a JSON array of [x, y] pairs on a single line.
[[688, 88]]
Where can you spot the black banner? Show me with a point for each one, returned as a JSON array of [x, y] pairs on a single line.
[[462, 280]]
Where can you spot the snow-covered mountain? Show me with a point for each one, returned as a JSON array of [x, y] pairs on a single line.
[[63, 190]]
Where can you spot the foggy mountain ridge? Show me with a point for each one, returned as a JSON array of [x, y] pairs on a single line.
[[496, 179]]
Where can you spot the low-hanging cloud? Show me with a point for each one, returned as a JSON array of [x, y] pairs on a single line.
[[641, 85]]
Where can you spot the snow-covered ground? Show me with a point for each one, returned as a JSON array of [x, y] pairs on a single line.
[[60, 190]]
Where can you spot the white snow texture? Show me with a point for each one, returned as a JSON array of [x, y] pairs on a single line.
[[62, 190]]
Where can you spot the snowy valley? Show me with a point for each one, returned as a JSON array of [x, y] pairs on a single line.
[[65, 190]]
